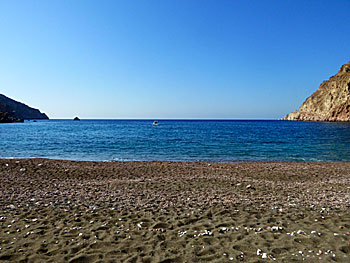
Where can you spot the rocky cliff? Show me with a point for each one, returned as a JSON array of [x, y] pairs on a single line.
[[16, 110], [331, 102], [6, 118]]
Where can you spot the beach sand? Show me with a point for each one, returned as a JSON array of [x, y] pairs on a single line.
[[65, 211]]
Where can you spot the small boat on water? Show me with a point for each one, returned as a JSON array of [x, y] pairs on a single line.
[[155, 123]]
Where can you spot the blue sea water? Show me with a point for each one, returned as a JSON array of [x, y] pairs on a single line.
[[177, 140]]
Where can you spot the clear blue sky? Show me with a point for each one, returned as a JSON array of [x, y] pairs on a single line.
[[170, 59]]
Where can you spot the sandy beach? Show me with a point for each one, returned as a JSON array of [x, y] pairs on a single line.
[[65, 211]]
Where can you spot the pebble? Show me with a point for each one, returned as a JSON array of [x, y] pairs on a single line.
[[22, 169], [301, 232], [223, 230], [182, 233], [276, 228], [206, 233]]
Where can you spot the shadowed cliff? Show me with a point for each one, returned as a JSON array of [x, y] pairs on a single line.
[[14, 110]]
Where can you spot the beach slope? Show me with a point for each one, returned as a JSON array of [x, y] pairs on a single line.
[[65, 211]]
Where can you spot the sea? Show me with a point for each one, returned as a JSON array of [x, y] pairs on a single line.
[[177, 140]]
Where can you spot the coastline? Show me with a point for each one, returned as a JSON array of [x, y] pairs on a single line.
[[83, 211]]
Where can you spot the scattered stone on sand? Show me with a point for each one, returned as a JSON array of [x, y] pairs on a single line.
[[67, 211]]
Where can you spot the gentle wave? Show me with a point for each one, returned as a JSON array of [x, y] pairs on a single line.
[[177, 140]]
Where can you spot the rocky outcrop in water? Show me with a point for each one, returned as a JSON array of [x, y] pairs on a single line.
[[14, 110], [331, 102]]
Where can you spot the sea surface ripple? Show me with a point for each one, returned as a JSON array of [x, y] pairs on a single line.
[[177, 140]]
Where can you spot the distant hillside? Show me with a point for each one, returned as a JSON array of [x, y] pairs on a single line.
[[18, 110]]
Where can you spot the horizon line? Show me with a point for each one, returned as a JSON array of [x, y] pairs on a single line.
[[164, 118]]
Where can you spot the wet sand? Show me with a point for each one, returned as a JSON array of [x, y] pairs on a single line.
[[65, 211]]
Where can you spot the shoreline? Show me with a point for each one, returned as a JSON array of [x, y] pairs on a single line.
[[170, 161], [85, 211]]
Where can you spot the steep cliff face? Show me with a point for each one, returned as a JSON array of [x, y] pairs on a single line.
[[331, 102], [18, 110]]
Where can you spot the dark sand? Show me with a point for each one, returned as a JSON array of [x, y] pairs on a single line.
[[64, 211]]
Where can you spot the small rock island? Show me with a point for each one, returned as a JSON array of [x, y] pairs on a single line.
[[331, 102], [14, 111]]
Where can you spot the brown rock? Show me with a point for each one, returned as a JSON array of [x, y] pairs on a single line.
[[331, 102]]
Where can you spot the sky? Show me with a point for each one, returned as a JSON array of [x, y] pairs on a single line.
[[210, 59]]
